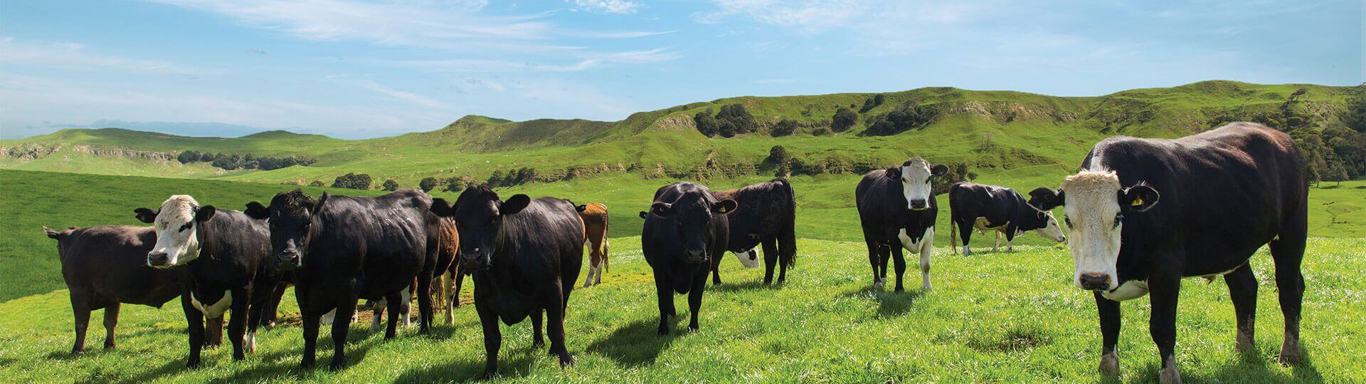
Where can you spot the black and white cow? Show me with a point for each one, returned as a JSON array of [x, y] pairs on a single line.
[[684, 230], [1144, 213], [226, 255], [1001, 209], [105, 266], [766, 214], [524, 256], [342, 249], [897, 208]]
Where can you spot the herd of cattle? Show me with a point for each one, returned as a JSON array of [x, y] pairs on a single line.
[[1140, 215]]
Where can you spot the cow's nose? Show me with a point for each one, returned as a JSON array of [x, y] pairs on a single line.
[[157, 258], [1095, 281], [918, 204], [696, 255]]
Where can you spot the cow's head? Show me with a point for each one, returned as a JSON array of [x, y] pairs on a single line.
[[293, 223], [177, 225], [689, 218], [915, 176], [479, 215], [1095, 205], [1043, 223]]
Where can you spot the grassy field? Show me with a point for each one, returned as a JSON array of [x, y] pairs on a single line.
[[991, 317]]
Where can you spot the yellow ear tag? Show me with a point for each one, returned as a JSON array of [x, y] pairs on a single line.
[[1138, 202]]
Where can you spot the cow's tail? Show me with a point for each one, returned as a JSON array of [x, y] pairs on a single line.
[[603, 247], [791, 222], [953, 232]]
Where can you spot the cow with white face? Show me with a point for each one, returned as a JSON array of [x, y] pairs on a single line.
[[1144, 213], [897, 210], [226, 256]]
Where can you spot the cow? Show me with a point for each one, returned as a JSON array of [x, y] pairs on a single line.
[[685, 229], [897, 209], [446, 243], [106, 266], [524, 256], [765, 215], [1144, 213], [594, 217], [1001, 209], [342, 249], [225, 255]]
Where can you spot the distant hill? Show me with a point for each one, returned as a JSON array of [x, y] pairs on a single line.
[[989, 131]]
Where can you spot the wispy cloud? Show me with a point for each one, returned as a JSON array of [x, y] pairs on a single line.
[[401, 95], [74, 56], [606, 6], [809, 15], [587, 61]]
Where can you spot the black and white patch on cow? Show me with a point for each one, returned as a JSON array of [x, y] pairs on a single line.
[[998, 209]]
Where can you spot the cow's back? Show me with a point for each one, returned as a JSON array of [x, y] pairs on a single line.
[[545, 239], [110, 262], [385, 237]]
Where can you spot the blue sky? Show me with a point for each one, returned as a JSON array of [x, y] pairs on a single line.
[[367, 69]]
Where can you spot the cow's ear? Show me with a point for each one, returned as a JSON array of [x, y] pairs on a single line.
[[51, 234], [1046, 199], [514, 204], [580, 207], [318, 206], [939, 170], [661, 209], [1138, 198], [724, 206], [642, 214], [257, 211], [893, 173], [204, 213], [442, 208], [145, 215]]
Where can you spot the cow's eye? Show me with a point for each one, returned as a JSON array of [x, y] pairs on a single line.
[[1119, 217], [1067, 220], [186, 226]]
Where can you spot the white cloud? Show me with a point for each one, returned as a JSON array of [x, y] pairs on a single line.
[[585, 62], [809, 15], [402, 95], [620, 7], [74, 56]]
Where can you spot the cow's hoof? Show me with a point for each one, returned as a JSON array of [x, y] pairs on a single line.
[[239, 356], [566, 361], [926, 287], [663, 330], [77, 351], [1290, 351], [1170, 375], [192, 364], [877, 285], [693, 327], [537, 343], [337, 364], [1109, 364], [306, 364], [108, 345], [1245, 342], [488, 374]]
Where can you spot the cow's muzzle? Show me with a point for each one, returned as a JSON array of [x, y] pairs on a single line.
[[288, 259], [158, 260], [475, 260], [1093, 281], [919, 205], [696, 256]]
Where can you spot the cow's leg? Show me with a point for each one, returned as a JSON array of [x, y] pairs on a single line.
[[446, 292], [770, 259], [555, 317], [537, 322], [1165, 288], [80, 308], [377, 312], [213, 332], [111, 319], [787, 251], [1288, 252], [459, 283], [1109, 334], [899, 257], [493, 339], [695, 302], [1010, 241], [716, 269], [664, 294], [965, 233], [271, 312], [393, 302], [237, 322], [997, 245], [926, 249], [195, 321], [885, 255], [345, 309], [311, 312], [874, 251], [424, 302], [1242, 288]]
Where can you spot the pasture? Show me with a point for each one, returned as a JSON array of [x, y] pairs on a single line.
[[992, 316]]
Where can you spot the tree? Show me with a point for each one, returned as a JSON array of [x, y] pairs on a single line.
[[872, 102], [909, 115], [706, 124], [390, 185], [352, 181], [496, 179], [188, 157], [455, 184], [784, 128], [735, 120], [427, 184], [843, 120], [1355, 114]]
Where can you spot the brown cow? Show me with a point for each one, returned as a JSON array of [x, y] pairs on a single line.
[[594, 217]]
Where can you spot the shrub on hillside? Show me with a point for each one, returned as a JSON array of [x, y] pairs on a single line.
[[784, 128], [908, 116], [390, 185], [843, 120], [427, 184], [730, 121], [457, 184], [352, 181], [872, 102], [706, 123]]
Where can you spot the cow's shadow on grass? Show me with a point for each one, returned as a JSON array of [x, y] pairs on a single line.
[[742, 286], [1256, 366], [282, 362], [639, 343], [512, 363], [890, 303]]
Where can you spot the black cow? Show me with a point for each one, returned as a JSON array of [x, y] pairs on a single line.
[[1143, 213], [226, 256], [982, 207], [342, 249], [766, 214], [685, 229], [524, 256], [105, 266], [897, 208]]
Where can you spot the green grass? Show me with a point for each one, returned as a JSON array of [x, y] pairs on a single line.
[[991, 317]]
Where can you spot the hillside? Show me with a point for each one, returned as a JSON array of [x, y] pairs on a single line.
[[990, 131]]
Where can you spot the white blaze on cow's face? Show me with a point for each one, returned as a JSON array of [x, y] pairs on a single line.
[[177, 242], [915, 183], [1095, 222], [1052, 230]]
